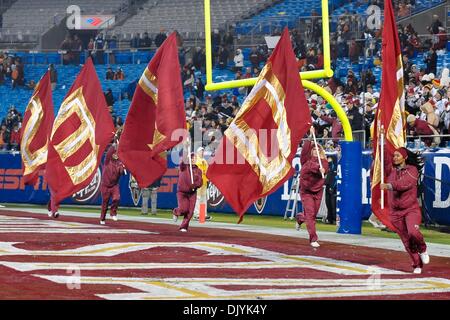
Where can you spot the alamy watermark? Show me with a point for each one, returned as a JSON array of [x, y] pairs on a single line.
[[73, 281], [373, 21], [73, 17]]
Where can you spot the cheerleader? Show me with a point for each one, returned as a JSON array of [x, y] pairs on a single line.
[[405, 214], [312, 180]]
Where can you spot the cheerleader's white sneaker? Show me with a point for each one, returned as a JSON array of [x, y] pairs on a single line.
[[424, 257], [315, 244]]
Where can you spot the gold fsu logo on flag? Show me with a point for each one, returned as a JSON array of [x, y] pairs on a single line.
[[76, 105], [32, 160], [36, 125], [270, 172]]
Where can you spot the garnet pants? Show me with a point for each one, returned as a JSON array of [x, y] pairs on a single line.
[[51, 205], [107, 194], [186, 205], [407, 223], [311, 205]]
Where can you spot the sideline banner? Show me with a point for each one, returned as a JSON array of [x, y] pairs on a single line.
[[436, 183]]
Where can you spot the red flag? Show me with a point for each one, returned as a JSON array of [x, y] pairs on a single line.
[[391, 111], [82, 130], [275, 117], [156, 112], [36, 129]]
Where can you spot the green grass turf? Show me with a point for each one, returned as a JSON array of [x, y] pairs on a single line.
[[430, 235]]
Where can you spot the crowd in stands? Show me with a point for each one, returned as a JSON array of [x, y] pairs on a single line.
[[96, 48], [10, 130], [427, 93], [11, 69], [143, 41], [118, 75]]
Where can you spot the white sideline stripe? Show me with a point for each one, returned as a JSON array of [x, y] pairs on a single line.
[[74, 231]]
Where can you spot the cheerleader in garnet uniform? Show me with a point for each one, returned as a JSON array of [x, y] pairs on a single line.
[[187, 192], [113, 169], [402, 175], [311, 187]]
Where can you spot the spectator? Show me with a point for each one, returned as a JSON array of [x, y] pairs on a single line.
[[110, 74], [442, 39], [354, 116], [403, 10], [136, 41], [2, 73], [17, 74], [146, 42], [431, 61], [351, 87], [331, 191], [254, 58], [354, 51], [31, 85], [430, 114], [199, 89], [99, 49], [160, 38], [238, 61], [15, 138], [199, 59], [77, 47], [111, 45], [119, 75], [53, 76], [90, 47], [67, 46], [188, 80], [216, 43], [435, 24], [320, 61], [109, 98], [228, 41], [418, 127], [223, 58], [4, 137], [311, 58]]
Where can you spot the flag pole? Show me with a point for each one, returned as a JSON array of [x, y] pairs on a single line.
[[318, 153], [190, 160], [116, 138], [382, 164]]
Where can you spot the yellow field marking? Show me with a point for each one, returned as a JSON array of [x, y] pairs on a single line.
[[124, 246], [225, 248], [196, 294], [326, 264]]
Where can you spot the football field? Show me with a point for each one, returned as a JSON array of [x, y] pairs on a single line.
[[74, 257]]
